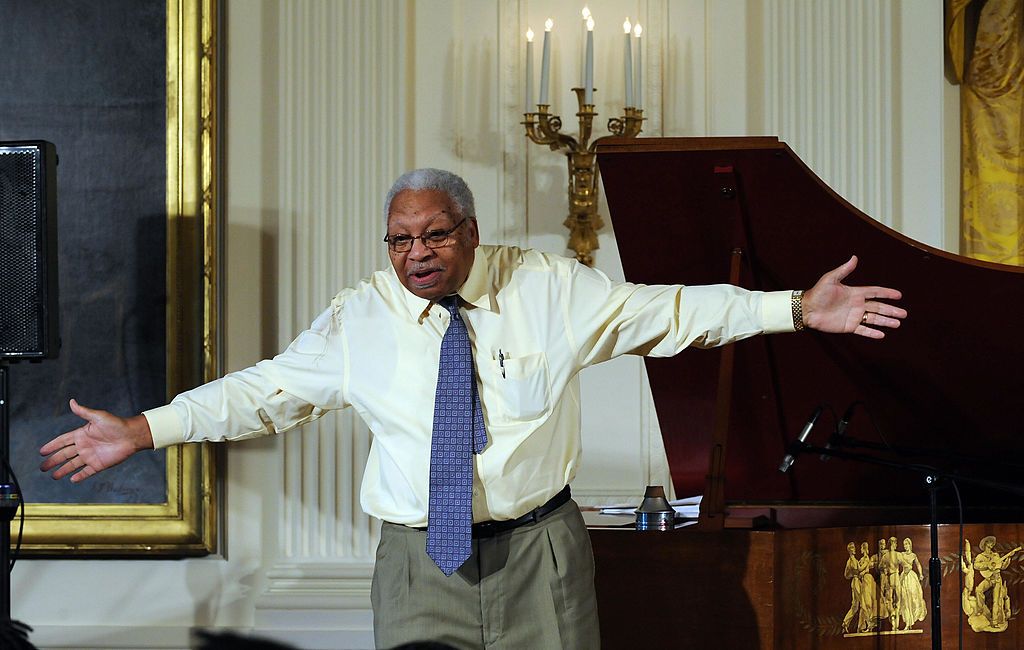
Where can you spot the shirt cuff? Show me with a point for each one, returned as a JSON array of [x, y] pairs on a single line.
[[165, 426], [777, 312]]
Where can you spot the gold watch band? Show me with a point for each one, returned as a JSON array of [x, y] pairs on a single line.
[[797, 303]]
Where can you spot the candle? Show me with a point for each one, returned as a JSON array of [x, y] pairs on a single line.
[[529, 71], [545, 61], [638, 78], [628, 63], [588, 82], [583, 49]]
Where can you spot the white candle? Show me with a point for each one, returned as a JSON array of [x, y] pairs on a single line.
[[588, 82], [583, 48], [628, 63], [545, 61], [638, 78], [530, 108]]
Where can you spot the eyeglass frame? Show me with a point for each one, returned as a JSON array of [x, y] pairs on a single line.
[[389, 239]]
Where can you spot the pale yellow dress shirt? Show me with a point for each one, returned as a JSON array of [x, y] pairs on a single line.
[[535, 320]]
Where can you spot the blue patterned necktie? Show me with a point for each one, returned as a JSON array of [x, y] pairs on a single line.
[[458, 434]]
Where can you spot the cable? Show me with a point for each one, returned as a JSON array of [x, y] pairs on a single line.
[[14, 635], [871, 419], [835, 418], [960, 574], [21, 519]]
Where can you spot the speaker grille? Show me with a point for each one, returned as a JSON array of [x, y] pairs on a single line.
[[21, 251]]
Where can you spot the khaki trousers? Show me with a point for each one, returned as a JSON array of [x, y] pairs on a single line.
[[531, 587]]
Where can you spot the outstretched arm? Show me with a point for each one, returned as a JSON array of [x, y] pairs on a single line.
[[102, 442], [1006, 558], [831, 306]]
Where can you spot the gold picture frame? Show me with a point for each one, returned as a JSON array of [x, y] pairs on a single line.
[[186, 523]]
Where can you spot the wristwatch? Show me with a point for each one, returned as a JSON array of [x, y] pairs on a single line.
[[797, 303]]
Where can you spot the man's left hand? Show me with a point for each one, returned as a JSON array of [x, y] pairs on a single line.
[[831, 306]]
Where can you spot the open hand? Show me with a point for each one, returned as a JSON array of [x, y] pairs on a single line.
[[831, 306], [102, 442]]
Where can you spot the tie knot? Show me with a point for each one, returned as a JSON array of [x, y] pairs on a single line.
[[451, 303]]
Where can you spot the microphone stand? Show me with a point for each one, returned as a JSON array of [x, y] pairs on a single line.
[[932, 477], [10, 500]]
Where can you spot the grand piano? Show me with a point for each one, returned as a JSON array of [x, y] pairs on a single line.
[[768, 564]]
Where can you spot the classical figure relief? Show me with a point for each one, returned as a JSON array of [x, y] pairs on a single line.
[[885, 587], [912, 605], [891, 567], [986, 604], [852, 573], [867, 618]]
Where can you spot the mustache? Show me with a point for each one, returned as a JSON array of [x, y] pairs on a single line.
[[413, 269]]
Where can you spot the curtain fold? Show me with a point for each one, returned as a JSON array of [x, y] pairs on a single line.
[[987, 55]]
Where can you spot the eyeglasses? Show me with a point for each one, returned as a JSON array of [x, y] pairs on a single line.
[[430, 239]]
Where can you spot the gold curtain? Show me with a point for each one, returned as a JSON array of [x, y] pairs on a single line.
[[986, 52]]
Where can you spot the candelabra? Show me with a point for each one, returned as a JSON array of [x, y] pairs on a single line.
[[583, 221]]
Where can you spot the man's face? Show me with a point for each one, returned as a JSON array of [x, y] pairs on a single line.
[[431, 273]]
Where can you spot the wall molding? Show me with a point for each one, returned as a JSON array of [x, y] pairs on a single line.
[[828, 88], [341, 143]]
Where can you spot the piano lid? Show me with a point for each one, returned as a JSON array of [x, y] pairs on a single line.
[[951, 378]]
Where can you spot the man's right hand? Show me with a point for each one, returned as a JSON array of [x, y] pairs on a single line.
[[102, 442]]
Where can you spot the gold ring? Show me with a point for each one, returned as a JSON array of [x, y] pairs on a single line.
[[864, 318]]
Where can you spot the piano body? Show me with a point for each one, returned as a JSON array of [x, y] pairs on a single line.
[[768, 565]]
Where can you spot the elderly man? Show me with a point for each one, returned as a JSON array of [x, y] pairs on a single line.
[[463, 361]]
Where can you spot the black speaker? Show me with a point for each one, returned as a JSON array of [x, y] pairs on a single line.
[[28, 251]]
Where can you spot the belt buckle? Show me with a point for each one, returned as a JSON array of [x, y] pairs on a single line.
[[485, 528]]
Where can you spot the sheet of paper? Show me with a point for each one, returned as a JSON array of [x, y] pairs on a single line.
[[687, 507]]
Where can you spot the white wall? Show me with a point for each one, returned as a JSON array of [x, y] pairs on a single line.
[[328, 101]]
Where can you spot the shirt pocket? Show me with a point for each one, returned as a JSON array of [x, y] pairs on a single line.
[[521, 386]]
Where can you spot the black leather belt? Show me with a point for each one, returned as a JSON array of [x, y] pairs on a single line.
[[491, 528]]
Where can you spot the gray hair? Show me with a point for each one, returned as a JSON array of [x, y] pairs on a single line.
[[434, 179]]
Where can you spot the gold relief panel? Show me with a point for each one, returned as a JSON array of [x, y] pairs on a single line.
[[837, 585], [886, 593], [874, 591], [988, 575]]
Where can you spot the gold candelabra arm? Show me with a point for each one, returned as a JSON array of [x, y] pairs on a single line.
[[543, 128], [627, 125], [532, 122], [585, 115]]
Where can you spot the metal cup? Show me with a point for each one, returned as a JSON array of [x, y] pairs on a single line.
[[654, 512]]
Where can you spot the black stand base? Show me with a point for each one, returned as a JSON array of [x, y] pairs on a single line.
[[9, 500], [13, 634]]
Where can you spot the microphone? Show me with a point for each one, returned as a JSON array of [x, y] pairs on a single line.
[[790, 457], [836, 440]]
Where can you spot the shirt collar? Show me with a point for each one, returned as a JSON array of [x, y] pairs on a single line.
[[474, 291]]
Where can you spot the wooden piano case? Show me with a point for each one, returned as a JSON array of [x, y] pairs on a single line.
[[769, 564]]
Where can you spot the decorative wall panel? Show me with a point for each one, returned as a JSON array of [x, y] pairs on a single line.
[[828, 90], [341, 140]]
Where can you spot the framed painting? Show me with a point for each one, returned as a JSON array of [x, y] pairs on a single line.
[[127, 91]]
